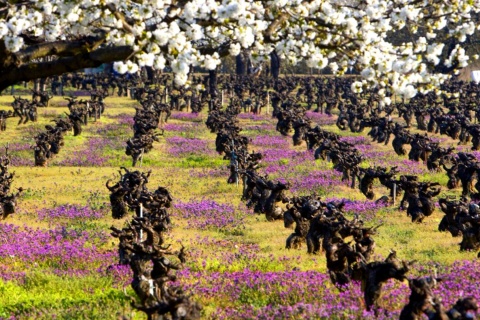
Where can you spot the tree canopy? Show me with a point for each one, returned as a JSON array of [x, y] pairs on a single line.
[[51, 37]]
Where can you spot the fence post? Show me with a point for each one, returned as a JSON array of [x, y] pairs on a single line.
[[394, 192], [141, 216]]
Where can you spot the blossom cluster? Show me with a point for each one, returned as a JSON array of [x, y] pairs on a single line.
[[322, 33]]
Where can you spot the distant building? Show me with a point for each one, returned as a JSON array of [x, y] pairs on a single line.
[[103, 68]]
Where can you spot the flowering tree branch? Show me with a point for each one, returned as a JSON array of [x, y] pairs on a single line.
[[186, 33]]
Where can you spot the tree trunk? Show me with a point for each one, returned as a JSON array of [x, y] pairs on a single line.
[[212, 82], [150, 74], [240, 65], [275, 65], [43, 84], [249, 64]]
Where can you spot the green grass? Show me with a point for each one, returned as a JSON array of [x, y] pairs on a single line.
[[42, 296]]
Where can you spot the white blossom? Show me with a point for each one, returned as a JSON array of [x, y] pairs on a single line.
[[132, 67], [162, 36], [180, 79], [211, 61], [13, 44], [3, 29], [47, 8], [179, 66], [17, 26], [120, 67], [368, 74], [408, 91], [319, 32], [159, 62], [357, 87], [195, 32], [146, 59], [234, 49], [333, 66], [246, 37], [72, 17]]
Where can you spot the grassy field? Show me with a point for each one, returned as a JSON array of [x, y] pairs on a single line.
[[58, 259]]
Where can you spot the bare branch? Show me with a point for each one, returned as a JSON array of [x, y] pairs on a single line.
[[274, 26]]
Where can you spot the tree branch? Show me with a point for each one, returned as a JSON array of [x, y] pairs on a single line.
[[120, 16], [58, 48], [274, 26], [92, 59], [222, 50]]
